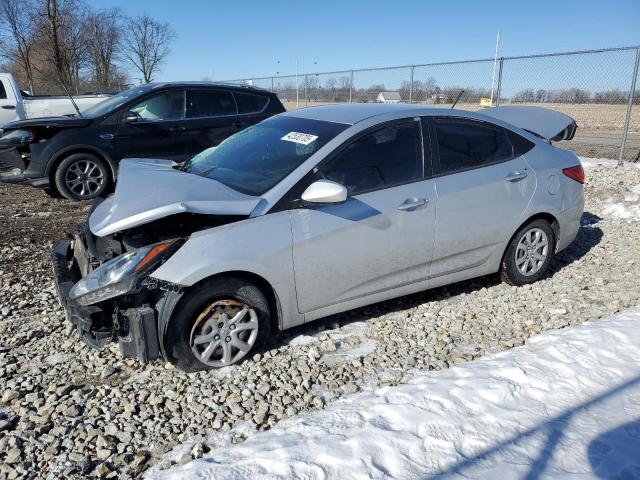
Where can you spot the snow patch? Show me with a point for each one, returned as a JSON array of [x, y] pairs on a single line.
[[566, 403]]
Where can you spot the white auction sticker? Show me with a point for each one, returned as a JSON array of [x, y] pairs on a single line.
[[297, 137]]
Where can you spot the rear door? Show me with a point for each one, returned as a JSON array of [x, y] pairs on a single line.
[[212, 117], [484, 185], [160, 131], [382, 236]]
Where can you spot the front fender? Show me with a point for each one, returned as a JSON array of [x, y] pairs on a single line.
[[261, 246]]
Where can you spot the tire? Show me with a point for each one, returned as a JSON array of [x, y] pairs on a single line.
[[527, 257], [82, 176], [52, 192], [199, 315]]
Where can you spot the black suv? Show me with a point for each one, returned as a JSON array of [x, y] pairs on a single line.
[[78, 156]]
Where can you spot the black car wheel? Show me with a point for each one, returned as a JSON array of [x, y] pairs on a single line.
[[82, 176], [529, 253], [217, 324]]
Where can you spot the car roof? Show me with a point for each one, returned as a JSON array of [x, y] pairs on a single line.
[[229, 86], [353, 113]]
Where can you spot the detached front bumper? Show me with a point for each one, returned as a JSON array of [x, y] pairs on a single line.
[[135, 329], [14, 168]]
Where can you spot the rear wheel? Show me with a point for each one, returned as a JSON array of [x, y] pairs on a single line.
[[218, 324], [82, 176], [529, 253]]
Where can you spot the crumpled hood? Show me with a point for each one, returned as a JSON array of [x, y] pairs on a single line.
[[148, 190], [57, 122]]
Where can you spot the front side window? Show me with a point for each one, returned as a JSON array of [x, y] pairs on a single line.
[[209, 103], [162, 106], [466, 144], [389, 156], [249, 103], [259, 157]]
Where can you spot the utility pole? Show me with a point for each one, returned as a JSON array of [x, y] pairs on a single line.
[[495, 61]]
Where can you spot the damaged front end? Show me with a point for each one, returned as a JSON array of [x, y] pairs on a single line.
[[14, 155], [104, 284]]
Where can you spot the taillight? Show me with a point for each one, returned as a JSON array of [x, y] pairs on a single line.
[[575, 173]]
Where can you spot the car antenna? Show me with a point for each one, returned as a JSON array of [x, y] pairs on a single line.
[[457, 98], [75, 105]]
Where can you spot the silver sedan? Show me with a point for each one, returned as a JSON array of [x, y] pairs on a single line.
[[314, 212]]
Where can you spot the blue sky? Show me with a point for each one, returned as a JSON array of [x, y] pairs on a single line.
[[229, 40]]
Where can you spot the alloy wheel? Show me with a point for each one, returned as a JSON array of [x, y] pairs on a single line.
[[532, 251], [84, 178], [224, 333]]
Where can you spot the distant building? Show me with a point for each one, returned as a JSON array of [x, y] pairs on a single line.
[[389, 97]]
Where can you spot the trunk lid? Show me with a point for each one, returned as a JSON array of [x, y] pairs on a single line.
[[542, 122], [148, 190]]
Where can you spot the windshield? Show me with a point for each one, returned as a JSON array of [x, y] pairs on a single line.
[[257, 158], [114, 102]]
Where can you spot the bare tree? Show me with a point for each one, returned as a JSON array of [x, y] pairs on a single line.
[[146, 44], [66, 34], [103, 35], [19, 33]]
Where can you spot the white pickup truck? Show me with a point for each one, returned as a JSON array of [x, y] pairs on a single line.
[[18, 105]]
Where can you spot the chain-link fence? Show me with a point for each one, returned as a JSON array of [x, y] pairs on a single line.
[[596, 87]]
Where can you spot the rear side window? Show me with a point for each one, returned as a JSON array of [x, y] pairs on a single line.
[[209, 103], [385, 157], [466, 144], [3, 93], [249, 103]]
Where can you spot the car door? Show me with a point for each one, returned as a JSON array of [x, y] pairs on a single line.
[[158, 132], [382, 236], [484, 186], [8, 107], [212, 117]]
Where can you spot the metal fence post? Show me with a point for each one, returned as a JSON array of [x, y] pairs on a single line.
[[413, 67], [272, 84], [350, 87], [306, 91], [629, 107], [499, 89]]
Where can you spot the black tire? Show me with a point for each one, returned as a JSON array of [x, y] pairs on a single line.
[[53, 192], [509, 271], [65, 174], [184, 320]]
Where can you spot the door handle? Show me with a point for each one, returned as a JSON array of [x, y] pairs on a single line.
[[515, 176], [177, 129], [411, 204], [9, 107]]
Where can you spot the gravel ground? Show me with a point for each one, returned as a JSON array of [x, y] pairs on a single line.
[[69, 411]]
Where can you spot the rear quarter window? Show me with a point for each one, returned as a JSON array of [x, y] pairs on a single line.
[[250, 103]]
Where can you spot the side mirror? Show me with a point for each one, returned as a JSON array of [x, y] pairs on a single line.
[[131, 117], [325, 191]]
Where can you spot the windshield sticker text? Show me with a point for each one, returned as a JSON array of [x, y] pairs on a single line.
[[297, 137]]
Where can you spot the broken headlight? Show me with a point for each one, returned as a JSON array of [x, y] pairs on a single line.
[[120, 275], [16, 137]]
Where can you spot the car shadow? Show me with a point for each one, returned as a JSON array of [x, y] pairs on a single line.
[[589, 235], [607, 454], [616, 453]]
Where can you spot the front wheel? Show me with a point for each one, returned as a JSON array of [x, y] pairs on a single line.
[[82, 176], [217, 324], [529, 253]]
